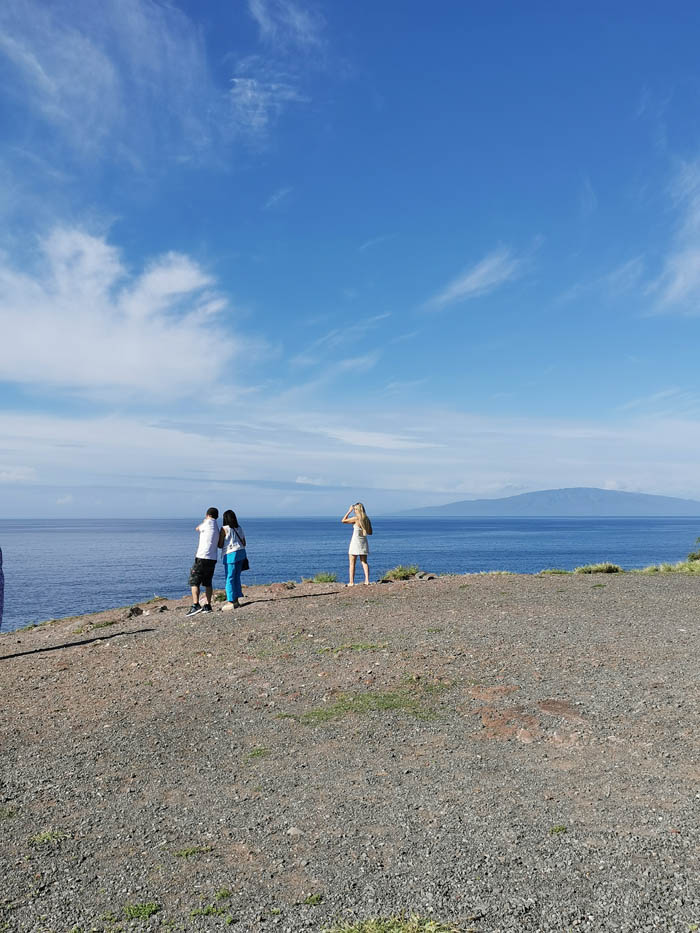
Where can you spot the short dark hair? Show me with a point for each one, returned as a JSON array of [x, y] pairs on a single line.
[[230, 519], [212, 512]]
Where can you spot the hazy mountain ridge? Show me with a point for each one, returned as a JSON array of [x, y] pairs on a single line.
[[579, 501]]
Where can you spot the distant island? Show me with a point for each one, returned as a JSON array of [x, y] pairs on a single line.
[[579, 501]]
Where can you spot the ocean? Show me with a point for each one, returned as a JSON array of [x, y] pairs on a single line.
[[59, 568]]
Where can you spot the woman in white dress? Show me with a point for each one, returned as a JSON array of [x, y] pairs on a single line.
[[359, 547]]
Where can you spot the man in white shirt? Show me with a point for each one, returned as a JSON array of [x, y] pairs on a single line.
[[202, 571]]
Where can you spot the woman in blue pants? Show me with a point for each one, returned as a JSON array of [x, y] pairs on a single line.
[[232, 544]]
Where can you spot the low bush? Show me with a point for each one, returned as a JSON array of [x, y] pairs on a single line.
[[402, 572], [599, 568], [554, 570]]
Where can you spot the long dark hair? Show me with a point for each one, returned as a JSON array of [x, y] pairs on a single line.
[[230, 518]]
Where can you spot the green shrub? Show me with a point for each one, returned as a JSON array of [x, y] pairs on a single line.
[[554, 570], [325, 578], [402, 572], [599, 568]]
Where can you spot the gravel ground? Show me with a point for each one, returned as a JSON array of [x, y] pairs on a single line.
[[503, 752]]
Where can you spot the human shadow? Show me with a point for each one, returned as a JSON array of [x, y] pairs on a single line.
[[276, 599], [74, 644]]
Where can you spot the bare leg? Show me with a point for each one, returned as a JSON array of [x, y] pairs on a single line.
[[210, 592], [352, 570], [195, 595], [365, 567]]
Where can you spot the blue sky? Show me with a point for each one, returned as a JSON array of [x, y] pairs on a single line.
[[280, 255]]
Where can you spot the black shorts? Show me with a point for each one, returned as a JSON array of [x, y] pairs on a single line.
[[202, 572]]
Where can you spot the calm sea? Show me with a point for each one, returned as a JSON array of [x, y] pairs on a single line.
[[62, 568]]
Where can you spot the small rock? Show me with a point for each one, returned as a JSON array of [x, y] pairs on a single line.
[[293, 831]]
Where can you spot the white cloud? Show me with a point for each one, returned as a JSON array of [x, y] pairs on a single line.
[[494, 270], [82, 322], [588, 199], [124, 77], [276, 197], [375, 241], [340, 337], [17, 474], [258, 102], [286, 22], [678, 287], [299, 445]]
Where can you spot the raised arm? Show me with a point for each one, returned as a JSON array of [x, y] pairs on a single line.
[[346, 518]]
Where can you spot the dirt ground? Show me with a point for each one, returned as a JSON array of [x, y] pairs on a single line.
[[496, 751]]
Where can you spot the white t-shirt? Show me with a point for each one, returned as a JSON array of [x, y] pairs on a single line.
[[208, 540], [232, 540]]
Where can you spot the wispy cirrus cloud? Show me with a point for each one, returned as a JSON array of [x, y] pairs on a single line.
[[277, 197], [338, 338], [287, 23], [258, 98], [81, 321], [673, 402], [125, 77], [494, 270], [375, 241], [267, 84], [678, 287]]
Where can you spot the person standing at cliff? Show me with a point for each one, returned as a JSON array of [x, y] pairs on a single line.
[[232, 544], [202, 572], [359, 546]]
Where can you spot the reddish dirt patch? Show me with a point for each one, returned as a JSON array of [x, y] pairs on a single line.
[[562, 709], [489, 694], [508, 724]]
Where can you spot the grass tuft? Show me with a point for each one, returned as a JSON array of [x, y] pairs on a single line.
[[313, 899], [411, 700], [683, 566], [599, 568], [50, 837], [355, 646], [192, 851], [141, 911], [325, 578], [554, 570], [402, 572], [395, 925], [212, 910]]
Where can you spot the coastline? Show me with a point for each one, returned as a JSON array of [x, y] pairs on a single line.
[[499, 752]]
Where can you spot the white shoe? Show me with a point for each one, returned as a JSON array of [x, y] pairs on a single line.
[[228, 607]]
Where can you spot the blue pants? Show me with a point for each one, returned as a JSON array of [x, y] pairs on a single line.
[[232, 565]]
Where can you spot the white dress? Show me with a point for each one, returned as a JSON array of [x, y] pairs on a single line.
[[358, 543]]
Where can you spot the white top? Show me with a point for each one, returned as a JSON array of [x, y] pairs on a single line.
[[232, 539], [208, 539]]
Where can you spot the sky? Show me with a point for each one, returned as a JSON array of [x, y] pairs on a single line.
[[282, 255]]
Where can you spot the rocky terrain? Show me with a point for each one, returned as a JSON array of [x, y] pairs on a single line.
[[495, 752]]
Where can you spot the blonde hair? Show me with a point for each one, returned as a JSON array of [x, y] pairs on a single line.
[[365, 525]]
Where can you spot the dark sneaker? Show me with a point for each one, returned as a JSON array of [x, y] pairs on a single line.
[[207, 608], [193, 610]]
